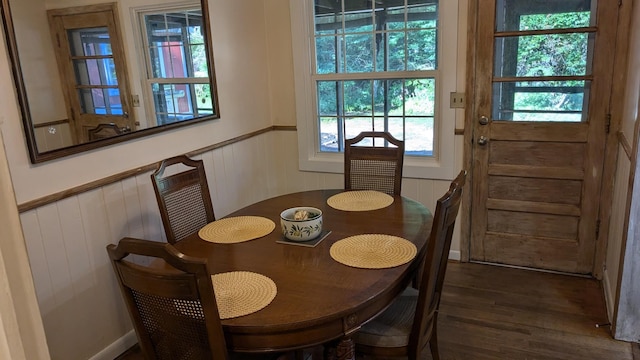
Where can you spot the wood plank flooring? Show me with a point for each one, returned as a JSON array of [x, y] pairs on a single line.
[[492, 312]]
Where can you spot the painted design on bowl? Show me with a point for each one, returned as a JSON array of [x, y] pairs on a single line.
[[302, 231]]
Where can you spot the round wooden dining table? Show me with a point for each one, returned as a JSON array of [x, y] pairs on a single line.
[[319, 300]]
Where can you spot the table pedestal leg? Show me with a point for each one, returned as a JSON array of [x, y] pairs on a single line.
[[343, 349]]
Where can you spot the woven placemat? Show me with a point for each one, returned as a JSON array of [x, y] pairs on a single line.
[[360, 200], [236, 229], [240, 293], [373, 251]]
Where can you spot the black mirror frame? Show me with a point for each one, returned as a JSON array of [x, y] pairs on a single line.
[[21, 94]]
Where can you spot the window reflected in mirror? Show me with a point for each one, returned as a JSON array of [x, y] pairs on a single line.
[[178, 76], [85, 80]]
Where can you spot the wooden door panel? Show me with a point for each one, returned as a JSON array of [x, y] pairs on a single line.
[[546, 132], [547, 172], [531, 224], [533, 207], [532, 154], [535, 189], [531, 252]]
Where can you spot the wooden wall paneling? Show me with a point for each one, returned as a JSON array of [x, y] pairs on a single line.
[[233, 197], [149, 212], [131, 199], [331, 181], [222, 186], [73, 236], [409, 188], [116, 210], [37, 259], [112, 319], [56, 257], [265, 142]]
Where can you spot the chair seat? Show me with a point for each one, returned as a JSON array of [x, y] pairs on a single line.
[[393, 326]]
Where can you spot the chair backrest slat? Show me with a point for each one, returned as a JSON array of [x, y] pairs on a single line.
[[183, 198], [369, 167], [173, 308]]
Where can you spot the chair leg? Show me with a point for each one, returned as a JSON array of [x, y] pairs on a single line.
[[433, 341]]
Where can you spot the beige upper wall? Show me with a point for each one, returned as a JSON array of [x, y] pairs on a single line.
[[281, 90], [241, 62]]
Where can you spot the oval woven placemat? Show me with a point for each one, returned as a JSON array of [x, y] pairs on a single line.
[[240, 293], [373, 251], [236, 229], [360, 200]]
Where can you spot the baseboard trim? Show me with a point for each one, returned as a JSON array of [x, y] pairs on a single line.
[[454, 255], [117, 347]]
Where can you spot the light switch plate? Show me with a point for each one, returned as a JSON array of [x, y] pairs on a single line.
[[456, 100]]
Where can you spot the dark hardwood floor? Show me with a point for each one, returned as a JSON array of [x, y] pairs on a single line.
[[491, 312]]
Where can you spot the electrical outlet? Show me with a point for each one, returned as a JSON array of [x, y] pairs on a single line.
[[136, 100], [457, 100]]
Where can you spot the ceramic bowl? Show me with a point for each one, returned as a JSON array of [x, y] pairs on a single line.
[[301, 230]]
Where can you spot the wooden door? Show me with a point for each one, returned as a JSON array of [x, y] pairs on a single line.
[[540, 107], [91, 61]]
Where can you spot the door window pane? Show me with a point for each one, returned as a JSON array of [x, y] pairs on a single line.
[[102, 101], [542, 55], [541, 101], [543, 15], [90, 42]]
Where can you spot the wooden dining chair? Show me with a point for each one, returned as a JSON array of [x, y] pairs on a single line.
[[375, 166], [183, 197], [173, 309], [409, 323]]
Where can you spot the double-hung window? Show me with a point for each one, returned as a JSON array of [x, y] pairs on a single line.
[[381, 65]]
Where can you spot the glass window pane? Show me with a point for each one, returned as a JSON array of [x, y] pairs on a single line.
[[420, 97], [328, 97], [388, 96], [100, 101], [395, 58], [326, 54], [422, 15], [355, 125], [89, 42], [359, 53], [421, 49], [329, 134], [543, 15], [204, 99], [360, 19], [198, 61], [542, 55], [358, 98], [541, 101], [95, 72], [395, 18], [328, 19], [114, 104], [419, 136]]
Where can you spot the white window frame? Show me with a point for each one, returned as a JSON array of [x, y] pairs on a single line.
[[439, 166]]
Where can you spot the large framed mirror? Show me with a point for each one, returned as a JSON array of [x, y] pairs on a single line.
[[91, 74]]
